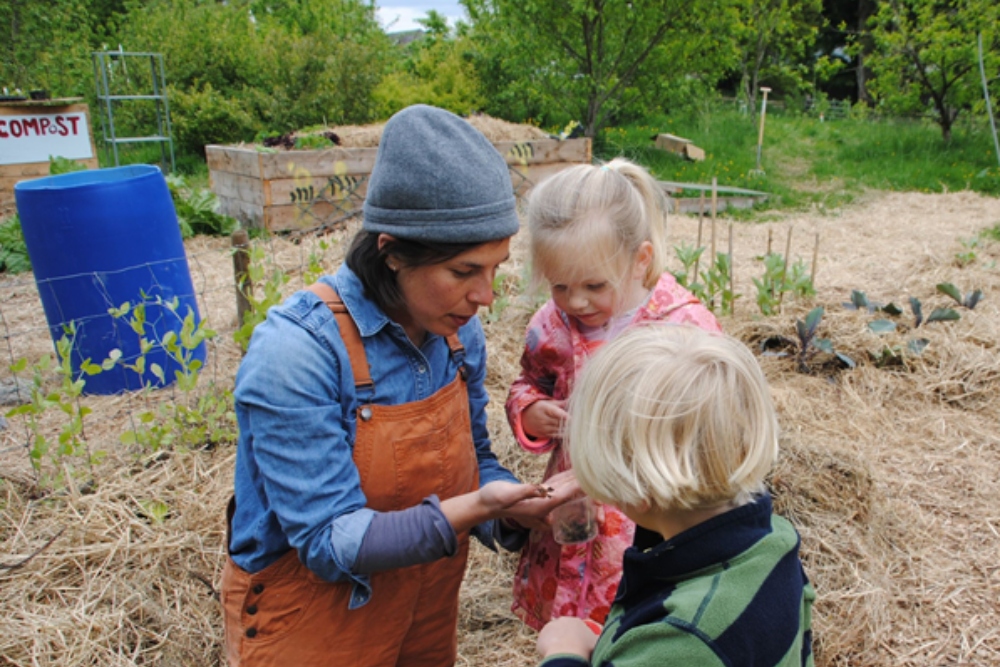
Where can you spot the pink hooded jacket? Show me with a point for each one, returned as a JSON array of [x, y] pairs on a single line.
[[581, 580]]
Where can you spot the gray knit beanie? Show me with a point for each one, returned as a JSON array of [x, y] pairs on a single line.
[[437, 178]]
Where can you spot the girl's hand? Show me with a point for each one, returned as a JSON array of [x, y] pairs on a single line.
[[544, 419], [566, 635]]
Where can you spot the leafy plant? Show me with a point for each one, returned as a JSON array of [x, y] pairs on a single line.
[[717, 283], [689, 257], [808, 343], [195, 421], [155, 511], [769, 284], [969, 301], [258, 306], [54, 462], [13, 251], [315, 269], [61, 165], [937, 315], [196, 210], [503, 285], [799, 281], [968, 255]]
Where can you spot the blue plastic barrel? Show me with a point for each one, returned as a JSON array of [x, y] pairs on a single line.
[[99, 239]]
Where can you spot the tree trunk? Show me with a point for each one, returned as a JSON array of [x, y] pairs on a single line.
[[865, 8]]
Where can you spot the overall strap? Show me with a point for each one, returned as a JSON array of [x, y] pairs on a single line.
[[349, 332], [458, 354]]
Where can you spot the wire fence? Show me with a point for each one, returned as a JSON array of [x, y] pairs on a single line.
[[33, 313]]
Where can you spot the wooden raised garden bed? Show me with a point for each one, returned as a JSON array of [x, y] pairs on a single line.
[[312, 189]]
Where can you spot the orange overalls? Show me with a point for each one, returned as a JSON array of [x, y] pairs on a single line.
[[286, 616]]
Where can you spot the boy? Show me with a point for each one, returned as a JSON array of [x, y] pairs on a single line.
[[675, 426]]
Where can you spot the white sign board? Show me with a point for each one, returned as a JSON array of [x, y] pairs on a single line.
[[34, 138]]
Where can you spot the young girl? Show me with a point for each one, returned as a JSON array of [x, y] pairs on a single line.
[[598, 240]]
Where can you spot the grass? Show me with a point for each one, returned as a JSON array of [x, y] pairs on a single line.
[[808, 162]]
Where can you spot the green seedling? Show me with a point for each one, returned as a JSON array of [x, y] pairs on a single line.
[[806, 345], [937, 315], [968, 255], [969, 301], [808, 342], [718, 283]]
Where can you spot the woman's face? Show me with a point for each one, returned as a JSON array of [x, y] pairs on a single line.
[[440, 298]]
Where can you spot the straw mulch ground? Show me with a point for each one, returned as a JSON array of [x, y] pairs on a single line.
[[889, 471]]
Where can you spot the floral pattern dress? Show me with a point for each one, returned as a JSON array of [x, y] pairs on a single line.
[[554, 580]]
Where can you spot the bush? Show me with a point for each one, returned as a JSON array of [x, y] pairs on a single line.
[[204, 116]]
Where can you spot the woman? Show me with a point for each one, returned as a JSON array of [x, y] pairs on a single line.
[[364, 461]]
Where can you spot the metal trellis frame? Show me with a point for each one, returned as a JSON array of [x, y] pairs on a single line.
[[115, 85]]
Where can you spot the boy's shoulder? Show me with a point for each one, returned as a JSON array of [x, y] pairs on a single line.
[[699, 608]]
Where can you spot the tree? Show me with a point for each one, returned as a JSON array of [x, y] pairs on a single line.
[[435, 69], [582, 59], [241, 67], [925, 56], [775, 37], [46, 46]]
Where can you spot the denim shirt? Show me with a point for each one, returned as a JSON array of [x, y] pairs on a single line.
[[296, 484]]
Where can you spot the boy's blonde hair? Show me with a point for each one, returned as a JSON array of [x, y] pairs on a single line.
[[672, 416], [568, 215]]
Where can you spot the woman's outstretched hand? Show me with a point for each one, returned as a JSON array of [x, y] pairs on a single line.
[[533, 511], [527, 504]]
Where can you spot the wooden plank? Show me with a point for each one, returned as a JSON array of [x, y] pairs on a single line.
[[691, 204], [671, 142], [692, 152], [296, 217], [677, 187], [234, 160], [249, 215], [524, 178], [541, 151], [236, 186], [282, 191], [317, 164]]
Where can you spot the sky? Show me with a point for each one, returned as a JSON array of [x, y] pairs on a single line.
[[400, 15]]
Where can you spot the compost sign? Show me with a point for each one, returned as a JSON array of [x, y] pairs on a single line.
[[36, 137]]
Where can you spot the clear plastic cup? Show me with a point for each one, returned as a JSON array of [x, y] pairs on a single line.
[[575, 522]]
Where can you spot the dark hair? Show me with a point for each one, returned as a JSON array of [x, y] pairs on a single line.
[[367, 261]]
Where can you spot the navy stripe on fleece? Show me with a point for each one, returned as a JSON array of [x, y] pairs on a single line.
[[768, 627], [649, 610]]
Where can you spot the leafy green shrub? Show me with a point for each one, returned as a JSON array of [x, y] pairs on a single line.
[[196, 210], [204, 116], [62, 165], [13, 252], [439, 72]]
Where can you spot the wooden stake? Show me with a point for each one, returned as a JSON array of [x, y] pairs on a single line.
[[770, 231], [732, 273], [241, 266], [701, 222], [711, 257], [715, 209], [784, 271], [812, 276]]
